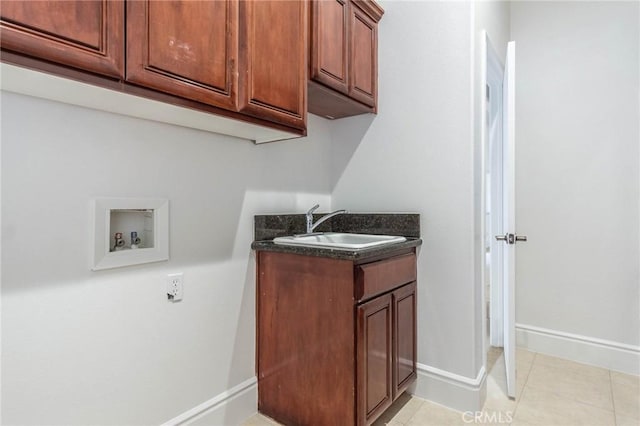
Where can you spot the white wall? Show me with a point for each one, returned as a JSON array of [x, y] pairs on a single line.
[[82, 347], [416, 155], [426, 141], [577, 118]]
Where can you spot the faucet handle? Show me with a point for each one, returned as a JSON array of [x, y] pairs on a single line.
[[312, 209]]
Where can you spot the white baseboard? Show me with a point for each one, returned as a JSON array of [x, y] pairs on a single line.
[[587, 350], [231, 407], [237, 404], [450, 389]]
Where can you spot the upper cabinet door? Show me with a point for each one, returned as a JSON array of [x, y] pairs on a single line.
[[185, 48], [273, 70], [363, 78], [85, 34], [330, 43]]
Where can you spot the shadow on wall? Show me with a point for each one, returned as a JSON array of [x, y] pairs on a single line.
[[207, 179], [346, 136], [246, 325], [113, 324]]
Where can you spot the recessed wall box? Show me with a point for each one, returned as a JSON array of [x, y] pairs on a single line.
[[129, 231]]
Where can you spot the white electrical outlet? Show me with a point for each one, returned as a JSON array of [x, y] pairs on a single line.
[[174, 286]]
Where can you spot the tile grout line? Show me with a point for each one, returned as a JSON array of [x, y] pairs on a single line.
[[584, 402], [535, 355], [515, 409], [591, 403], [414, 414], [524, 388], [613, 401]]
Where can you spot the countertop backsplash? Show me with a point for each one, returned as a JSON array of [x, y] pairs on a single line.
[[268, 227]]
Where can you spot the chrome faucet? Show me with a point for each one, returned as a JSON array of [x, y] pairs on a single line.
[[311, 226]]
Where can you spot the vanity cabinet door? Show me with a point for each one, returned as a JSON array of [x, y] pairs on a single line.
[[404, 331], [84, 34], [374, 357], [185, 48]]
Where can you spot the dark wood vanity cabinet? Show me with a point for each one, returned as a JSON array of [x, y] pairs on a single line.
[[88, 35], [336, 339], [344, 57]]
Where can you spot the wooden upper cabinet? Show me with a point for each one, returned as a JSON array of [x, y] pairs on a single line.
[[273, 61], [330, 43], [343, 68], [185, 48], [363, 57], [244, 59], [87, 35]]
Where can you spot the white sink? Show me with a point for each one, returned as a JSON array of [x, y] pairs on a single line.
[[339, 240]]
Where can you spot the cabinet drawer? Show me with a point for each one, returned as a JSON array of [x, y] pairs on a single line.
[[379, 277]]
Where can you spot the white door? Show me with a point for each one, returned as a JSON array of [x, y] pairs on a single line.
[[509, 236], [494, 205], [500, 203]]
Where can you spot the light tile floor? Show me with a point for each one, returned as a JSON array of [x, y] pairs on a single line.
[[549, 392]]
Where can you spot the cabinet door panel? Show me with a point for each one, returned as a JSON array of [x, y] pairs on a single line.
[[404, 356], [305, 341], [185, 48], [374, 358], [273, 53], [329, 38], [364, 52], [85, 34]]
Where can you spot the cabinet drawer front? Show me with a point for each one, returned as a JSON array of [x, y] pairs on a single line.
[[379, 277]]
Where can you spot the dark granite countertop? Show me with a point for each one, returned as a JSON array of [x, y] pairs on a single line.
[[345, 254], [268, 227]]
